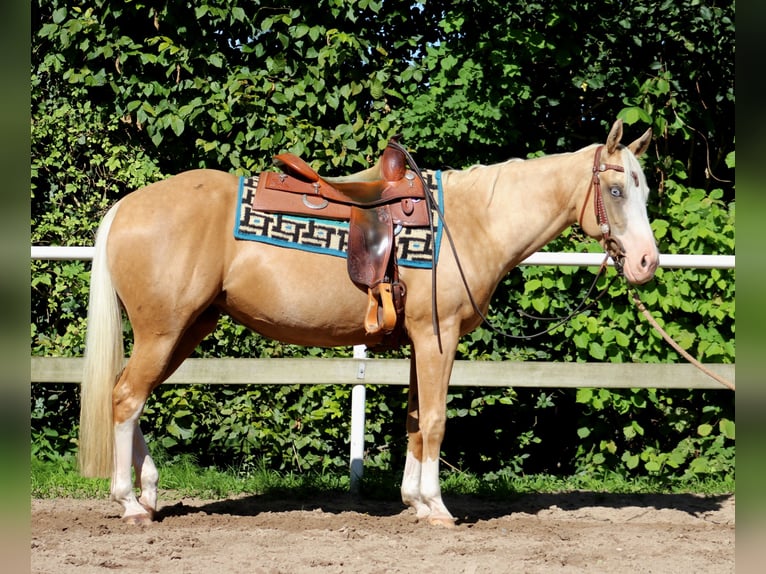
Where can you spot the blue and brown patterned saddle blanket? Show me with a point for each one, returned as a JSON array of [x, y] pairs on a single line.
[[414, 246]]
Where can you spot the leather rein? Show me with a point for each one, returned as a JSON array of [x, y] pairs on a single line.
[[613, 247]]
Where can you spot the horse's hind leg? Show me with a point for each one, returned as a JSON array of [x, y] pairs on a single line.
[[150, 364], [144, 371], [146, 473]]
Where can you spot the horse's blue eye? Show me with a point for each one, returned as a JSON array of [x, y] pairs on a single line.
[[616, 192]]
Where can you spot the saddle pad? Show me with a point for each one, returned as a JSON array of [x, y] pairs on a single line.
[[413, 244]]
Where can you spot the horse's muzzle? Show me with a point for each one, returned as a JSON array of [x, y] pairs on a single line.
[[641, 269], [636, 270]]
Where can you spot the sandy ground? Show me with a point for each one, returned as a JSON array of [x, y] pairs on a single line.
[[571, 532]]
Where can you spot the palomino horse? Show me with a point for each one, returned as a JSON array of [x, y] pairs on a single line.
[[167, 256]]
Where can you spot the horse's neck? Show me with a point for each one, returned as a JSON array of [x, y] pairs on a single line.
[[510, 210]]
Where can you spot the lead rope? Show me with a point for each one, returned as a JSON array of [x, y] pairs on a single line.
[[676, 346]]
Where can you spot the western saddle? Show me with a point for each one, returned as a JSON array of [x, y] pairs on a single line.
[[375, 202]]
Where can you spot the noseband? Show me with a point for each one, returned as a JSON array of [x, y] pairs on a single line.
[[612, 245]]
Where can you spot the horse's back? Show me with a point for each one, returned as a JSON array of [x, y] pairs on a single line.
[[173, 253]]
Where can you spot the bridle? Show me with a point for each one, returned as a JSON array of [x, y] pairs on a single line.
[[612, 245], [615, 250]]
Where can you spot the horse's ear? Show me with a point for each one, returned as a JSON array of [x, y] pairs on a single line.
[[614, 137], [639, 146]]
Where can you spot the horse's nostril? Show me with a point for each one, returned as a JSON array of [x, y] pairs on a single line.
[[648, 262]]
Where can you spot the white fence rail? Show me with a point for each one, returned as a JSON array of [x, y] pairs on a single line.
[[361, 371], [540, 258]]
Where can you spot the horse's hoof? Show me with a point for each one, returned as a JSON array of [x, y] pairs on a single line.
[[442, 522], [138, 519]]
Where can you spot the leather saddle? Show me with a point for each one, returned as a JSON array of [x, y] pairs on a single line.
[[376, 202]]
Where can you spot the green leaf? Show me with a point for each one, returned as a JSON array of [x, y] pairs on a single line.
[[621, 339], [59, 15], [448, 62], [727, 428], [704, 429], [42, 279], [598, 458], [238, 13], [157, 138], [215, 60], [631, 461], [376, 89], [676, 459], [700, 465], [279, 97], [597, 351], [653, 466], [584, 395], [177, 125], [633, 115]]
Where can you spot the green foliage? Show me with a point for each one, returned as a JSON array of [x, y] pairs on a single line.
[[280, 77], [287, 427], [124, 93], [54, 418], [695, 439]]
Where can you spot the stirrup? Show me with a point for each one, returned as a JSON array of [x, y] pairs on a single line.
[[389, 311], [372, 322]]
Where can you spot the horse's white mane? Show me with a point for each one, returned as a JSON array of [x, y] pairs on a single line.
[[518, 159], [480, 165]]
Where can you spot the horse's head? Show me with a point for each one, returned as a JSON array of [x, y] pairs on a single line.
[[618, 194]]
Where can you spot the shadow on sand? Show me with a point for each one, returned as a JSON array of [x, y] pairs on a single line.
[[468, 509]]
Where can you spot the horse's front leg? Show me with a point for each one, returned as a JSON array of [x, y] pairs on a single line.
[[426, 421], [410, 489]]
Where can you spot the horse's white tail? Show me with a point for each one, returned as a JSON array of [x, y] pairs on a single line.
[[104, 358]]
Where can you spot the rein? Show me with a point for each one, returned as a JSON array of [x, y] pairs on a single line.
[[432, 206], [613, 248]]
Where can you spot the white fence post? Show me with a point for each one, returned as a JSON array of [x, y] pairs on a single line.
[[358, 398]]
